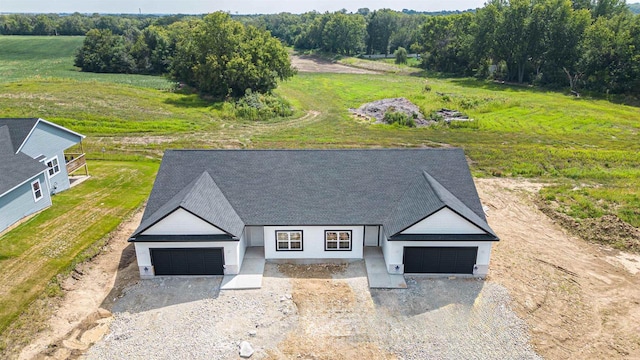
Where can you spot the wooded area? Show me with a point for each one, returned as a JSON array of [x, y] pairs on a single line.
[[591, 45]]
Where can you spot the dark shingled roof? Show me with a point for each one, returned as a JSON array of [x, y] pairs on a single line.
[[19, 129], [15, 169], [204, 199], [318, 187]]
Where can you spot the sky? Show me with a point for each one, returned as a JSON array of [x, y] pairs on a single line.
[[232, 6]]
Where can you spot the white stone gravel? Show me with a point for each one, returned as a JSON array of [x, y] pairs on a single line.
[[189, 318]]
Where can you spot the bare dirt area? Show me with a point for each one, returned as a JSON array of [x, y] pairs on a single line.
[[581, 300], [83, 315], [312, 64]]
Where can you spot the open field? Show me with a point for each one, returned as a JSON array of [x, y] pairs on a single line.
[[52, 241], [47, 57], [586, 151]]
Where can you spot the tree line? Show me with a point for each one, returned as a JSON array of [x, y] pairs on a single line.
[[371, 32], [216, 55], [580, 44], [78, 24]]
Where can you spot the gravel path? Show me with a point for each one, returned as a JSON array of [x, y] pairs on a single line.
[[178, 318]]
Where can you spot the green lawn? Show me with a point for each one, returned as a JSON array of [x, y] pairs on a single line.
[[49, 243]]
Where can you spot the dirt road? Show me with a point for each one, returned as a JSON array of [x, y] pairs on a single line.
[[581, 300], [316, 65]]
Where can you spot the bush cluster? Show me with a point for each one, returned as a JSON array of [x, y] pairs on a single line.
[[256, 106], [391, 116]]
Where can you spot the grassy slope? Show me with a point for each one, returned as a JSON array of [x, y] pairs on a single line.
[[47, 244]]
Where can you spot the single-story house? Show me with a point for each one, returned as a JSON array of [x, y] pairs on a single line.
[[420, 206], [33, 165]]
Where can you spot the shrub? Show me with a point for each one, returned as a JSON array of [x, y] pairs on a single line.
[[256, 106], [401, 55], [397, 117]]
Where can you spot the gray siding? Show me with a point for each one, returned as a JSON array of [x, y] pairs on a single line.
[[20, 203]]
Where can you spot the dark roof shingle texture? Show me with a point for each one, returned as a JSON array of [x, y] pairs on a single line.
[[19, 129], [15, 168], [322, 187]]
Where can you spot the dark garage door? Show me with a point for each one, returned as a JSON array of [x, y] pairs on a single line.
[[440, 260], [196, 261]]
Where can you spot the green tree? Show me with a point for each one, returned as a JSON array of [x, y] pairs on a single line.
[[611, 55], [344, 34], [401, 55], [563, 40], [445, 43], [102, 51], [381, 26], [223, 58]]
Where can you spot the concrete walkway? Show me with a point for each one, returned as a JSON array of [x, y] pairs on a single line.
[[250, 275], [377, 273]]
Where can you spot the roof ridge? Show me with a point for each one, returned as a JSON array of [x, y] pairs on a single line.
[[440, 190]]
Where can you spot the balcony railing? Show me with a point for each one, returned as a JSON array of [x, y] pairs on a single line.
[[75, 162]]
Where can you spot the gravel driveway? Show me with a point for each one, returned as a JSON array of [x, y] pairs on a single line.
[[315, 312]]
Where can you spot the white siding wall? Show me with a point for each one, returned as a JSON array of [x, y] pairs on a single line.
[[313, 243], [255, 235], [181, 222], [444, 221], [233, 252]]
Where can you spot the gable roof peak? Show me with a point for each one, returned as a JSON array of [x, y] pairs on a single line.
[[204, 199]]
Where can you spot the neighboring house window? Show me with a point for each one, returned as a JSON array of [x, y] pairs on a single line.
[[54, 166], [337, 240], [289, 240], [37, 190]]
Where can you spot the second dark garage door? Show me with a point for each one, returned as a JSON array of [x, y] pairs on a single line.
[[440, 260], [191, 261]]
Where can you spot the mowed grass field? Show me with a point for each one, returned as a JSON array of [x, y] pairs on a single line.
[[588, 148]]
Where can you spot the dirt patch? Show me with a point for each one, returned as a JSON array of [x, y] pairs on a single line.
[[312, 64], [323, 303], [82, 316], [580, 302], [608, 229], [377, 109]]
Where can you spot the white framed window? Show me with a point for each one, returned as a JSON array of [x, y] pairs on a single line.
[[289, 240], [54, 166], [37, 190], [337, 240]]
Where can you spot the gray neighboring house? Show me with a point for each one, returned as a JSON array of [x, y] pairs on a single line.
[[33, 165], [419, 206]]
